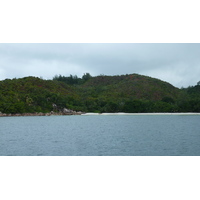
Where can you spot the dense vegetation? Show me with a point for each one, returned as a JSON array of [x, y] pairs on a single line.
[[125, 93]]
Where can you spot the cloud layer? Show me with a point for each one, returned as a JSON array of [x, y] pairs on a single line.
[[178, 64]]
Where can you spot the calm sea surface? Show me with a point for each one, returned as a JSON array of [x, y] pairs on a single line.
[[100, 136]]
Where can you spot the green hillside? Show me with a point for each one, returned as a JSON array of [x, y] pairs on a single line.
[[125, 93], [132, 86]]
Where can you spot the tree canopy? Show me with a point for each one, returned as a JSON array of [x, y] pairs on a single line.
[[125, 93]]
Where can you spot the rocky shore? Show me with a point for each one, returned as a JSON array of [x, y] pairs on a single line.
[[52, 113]]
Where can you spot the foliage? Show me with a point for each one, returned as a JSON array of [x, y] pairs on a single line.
[[125, 93]]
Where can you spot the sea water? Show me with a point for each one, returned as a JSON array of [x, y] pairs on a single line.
[[100, 135]]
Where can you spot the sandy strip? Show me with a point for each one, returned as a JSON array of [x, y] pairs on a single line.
[[98, 114]]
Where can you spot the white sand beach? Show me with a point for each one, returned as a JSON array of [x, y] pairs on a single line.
[[121, 113]]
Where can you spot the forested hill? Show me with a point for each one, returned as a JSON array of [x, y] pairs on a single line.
[[125, 93]]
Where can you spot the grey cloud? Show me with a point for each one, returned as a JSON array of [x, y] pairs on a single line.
[[176, 63]]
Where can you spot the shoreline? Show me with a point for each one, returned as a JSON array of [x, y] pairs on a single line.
[[93, 114], [139, 114], [39, 114]]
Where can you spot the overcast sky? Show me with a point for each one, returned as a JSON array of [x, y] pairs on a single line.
[[178, 64]]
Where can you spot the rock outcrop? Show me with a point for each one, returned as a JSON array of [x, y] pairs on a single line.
[[65, 111]]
